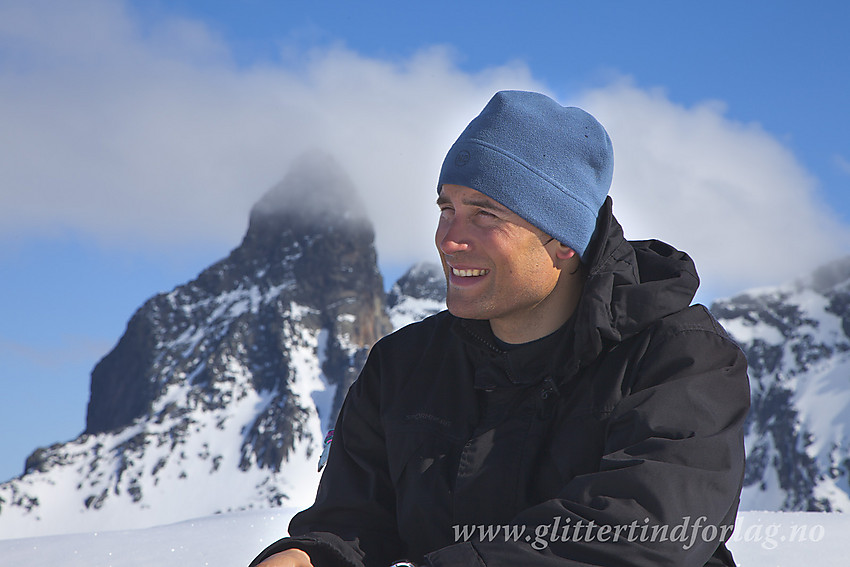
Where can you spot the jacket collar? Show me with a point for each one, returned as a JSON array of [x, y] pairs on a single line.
[[630, 285]]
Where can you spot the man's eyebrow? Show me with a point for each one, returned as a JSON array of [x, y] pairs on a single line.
[[482, 203]]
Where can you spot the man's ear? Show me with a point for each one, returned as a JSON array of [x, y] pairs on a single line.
[[564, 252]]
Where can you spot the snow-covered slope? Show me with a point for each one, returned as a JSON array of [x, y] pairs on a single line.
[[417, 294], [797, 341]]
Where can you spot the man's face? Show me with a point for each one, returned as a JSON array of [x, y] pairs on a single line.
[[497, 265]]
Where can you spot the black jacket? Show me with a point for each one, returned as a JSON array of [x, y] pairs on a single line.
[[617, 441]]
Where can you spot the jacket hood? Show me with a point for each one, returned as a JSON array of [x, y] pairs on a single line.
[[630, 285]]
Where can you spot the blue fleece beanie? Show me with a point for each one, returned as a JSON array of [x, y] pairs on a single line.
[[551, 165]]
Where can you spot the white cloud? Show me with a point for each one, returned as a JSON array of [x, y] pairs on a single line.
[[152, 137], [728, 193], [158, 137]]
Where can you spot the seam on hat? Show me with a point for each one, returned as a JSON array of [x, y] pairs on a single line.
[[538, 173]]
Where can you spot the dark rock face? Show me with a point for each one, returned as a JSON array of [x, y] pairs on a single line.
[[798, 347], [121, 389]]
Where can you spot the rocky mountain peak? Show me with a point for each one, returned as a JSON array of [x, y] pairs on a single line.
[[308, 243]]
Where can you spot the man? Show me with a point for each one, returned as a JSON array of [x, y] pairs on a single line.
[[570, 408]]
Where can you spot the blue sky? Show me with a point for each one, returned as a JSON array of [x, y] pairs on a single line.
[[136, 135]]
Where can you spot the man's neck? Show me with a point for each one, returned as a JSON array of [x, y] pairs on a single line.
[[514, 335], [546, 318]]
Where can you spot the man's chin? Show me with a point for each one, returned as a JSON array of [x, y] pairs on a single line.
[[464, 310]]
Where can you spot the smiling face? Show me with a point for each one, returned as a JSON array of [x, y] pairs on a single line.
[[501, 268]]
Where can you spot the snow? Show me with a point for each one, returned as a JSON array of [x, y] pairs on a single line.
[[761, 539], [323, 392], [828, 390], [746, 331], [224, 539], [768, 493], [410, 310]]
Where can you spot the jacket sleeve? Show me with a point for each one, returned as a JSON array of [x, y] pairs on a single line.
[[358, 518], [667, 489]]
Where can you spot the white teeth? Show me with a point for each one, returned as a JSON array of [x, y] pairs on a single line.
[[469, 273]]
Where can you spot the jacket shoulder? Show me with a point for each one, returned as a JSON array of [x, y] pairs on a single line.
[[691, 341], [695, 318]]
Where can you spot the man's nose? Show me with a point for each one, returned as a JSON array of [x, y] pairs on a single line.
[[452, 237]]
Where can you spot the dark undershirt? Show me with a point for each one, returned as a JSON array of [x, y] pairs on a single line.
[[540, 345]]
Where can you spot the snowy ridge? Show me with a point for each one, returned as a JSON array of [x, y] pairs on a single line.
[[797, 341]]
